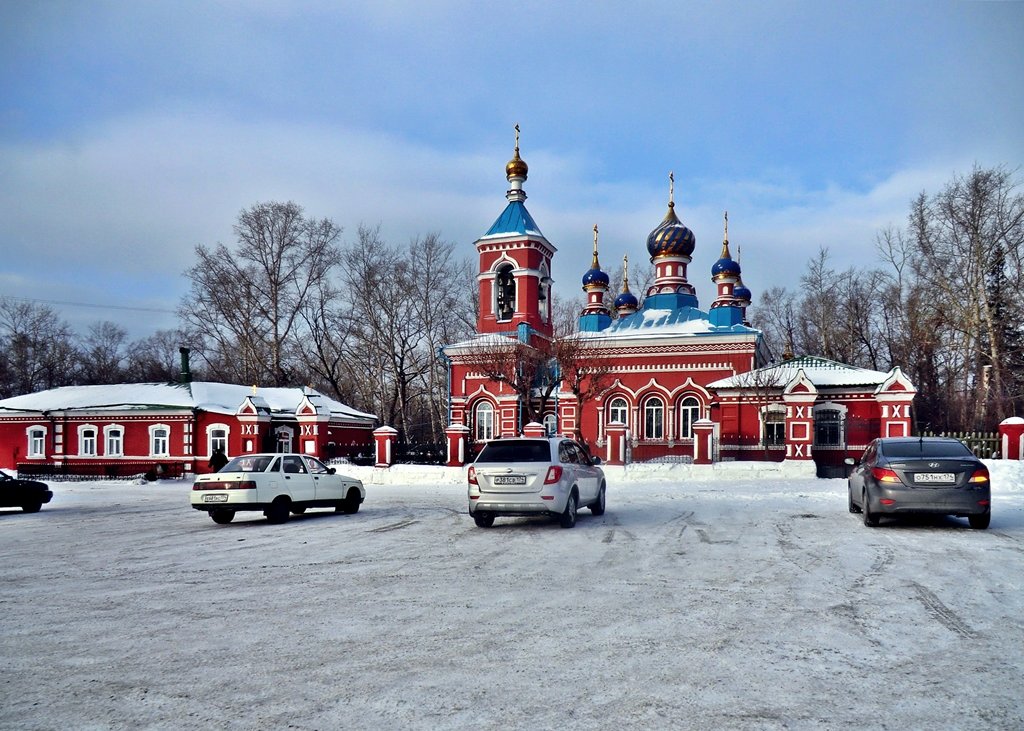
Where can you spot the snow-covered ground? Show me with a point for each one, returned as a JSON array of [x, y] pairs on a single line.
[[738, 597]]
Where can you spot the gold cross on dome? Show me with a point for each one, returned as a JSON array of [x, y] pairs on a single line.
[[517, 137], [671, 187]]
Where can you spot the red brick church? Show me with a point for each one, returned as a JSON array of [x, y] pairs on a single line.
[[676, 382]]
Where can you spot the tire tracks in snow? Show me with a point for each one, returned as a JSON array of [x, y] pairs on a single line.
[[942, 614]]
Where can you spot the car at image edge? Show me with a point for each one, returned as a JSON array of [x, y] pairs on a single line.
[[29, 495], [920, 475], [277, 485], [524, 476]]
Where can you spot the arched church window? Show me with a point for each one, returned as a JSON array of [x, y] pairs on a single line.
[[483, 421], [689, 412], [654, 418], [550, 424], [505, 299], [618, 410]]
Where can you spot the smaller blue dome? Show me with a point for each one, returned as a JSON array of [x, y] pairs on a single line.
[[626, 299], [741, 293], [724, 265], [595, 276]]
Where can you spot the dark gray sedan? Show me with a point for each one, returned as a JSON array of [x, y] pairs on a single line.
[[900, 476]]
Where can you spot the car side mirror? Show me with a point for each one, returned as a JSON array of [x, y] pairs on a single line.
[[595, 460], [331, 470], [850, 461]]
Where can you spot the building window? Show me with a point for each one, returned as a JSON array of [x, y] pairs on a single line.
[[483, 421], [284, 439], [689, 412], [159, 441], [217, 438], [828, 428], [87, 441], [37, 442], [550, 424], [505, 293], [618, 410], [114, 441], [654, 419], [774, 421]]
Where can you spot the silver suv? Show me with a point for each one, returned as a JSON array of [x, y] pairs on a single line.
[[531, 476]]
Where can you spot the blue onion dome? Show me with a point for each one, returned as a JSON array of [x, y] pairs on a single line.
[[671, 238], [740, 292], [595, 276], [626, 299], [725, 266]]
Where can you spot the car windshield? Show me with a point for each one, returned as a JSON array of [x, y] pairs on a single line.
[[516, 450], [247, 463], [926, 449]]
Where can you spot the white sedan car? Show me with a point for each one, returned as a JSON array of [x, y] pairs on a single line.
[[277, 484], [534, 476]]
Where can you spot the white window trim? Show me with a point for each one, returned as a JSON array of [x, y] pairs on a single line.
[[30, 452], [476, 421], [611, 405], [106, 440], [82, 428], [209, 438], [694, 408], [284, 431], [152, 440]]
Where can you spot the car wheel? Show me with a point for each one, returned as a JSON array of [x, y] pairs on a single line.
[[278, 511], [849, 497], [980, 522], [597, 507], [299, 510], [351, 502], [31, 507], [222, 517], [483, 520], [568, 518], [870, 519]]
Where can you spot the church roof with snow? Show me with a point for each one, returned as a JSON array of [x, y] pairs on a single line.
[[822, 372], [224, 398], [678, 321]]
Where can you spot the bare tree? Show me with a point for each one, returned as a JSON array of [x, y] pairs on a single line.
[[38, 348], [247, 303], [103, 354]]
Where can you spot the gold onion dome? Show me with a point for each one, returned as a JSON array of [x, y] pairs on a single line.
[[516, 167]]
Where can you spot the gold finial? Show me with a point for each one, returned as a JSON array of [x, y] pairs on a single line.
[[671, 189], [625, 273], [517, 138], [595, 264], [726, 226], [254, 389]]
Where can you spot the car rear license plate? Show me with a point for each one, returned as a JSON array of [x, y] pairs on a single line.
[[510, 480], [218, 498], [940, 478]]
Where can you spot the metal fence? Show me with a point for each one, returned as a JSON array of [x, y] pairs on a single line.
[[102, 471]]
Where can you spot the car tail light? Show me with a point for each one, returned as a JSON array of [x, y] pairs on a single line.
[[554, 475], [223, 485], [471, 475], [887, 501], [883, 475], [980, 475], [984, 503]]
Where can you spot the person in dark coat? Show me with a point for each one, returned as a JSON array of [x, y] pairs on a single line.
[[217, 460]]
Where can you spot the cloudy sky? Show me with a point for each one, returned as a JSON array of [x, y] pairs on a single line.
[[131, 132]]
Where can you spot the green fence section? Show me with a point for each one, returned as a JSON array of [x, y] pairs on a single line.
[[984, 444]]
